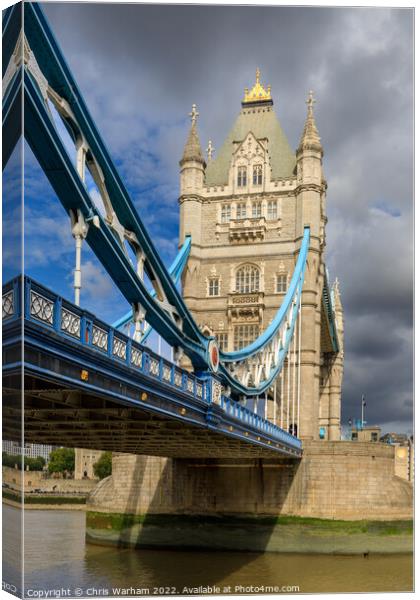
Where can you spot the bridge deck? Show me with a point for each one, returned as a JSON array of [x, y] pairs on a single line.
[[109, 393]]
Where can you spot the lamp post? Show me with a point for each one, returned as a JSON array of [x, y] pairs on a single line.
[[363, 410]]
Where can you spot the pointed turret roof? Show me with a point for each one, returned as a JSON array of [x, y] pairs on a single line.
[[192, 149], [257, 116], [336, 296], [310, 137]]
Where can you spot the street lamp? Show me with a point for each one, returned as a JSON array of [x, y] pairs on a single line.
[[363, 410]]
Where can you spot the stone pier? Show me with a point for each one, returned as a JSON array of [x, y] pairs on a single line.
[[258, 505], [334, 480]]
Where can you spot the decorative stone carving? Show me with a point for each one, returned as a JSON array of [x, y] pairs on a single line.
[[247, 230]]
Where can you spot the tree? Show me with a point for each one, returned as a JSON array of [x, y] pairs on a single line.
[[61, 460], [10, 461], [33, 464], [103, 467]]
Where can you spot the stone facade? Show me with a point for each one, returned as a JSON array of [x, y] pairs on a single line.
[[334, 480], [30, 481], [404, 461], [366, 434], [84, 459], [245, 211]]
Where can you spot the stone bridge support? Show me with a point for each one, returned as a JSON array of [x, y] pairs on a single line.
[[334, 480]]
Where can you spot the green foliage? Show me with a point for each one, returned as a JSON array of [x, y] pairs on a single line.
[[10, 461], [61, 460], [33, 464], [298, 525], [103, 467], [43, 499]]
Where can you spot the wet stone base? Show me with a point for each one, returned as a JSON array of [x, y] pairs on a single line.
[[263, 534]]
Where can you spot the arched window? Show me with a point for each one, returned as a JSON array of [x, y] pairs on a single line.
[[281, 280], [214, 286], [257, 175], [244, 334], [241, 210], [256, 209], [272, 210], [226, 213], [241, 176], [247, 279]]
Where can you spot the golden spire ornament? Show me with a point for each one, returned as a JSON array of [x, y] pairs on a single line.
[[258, 93]]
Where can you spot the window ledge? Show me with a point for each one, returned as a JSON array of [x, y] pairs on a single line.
[[251, 228]]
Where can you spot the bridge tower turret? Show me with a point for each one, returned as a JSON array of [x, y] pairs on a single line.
[[192, 166], [310, 210], [192, 170]]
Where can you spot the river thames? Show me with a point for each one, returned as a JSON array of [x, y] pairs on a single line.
[[58, 562]]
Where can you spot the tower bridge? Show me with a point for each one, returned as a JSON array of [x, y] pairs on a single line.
[[245, 416], [235, 377], [88, 385]]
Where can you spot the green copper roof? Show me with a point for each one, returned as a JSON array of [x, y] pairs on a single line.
[[263, 123]]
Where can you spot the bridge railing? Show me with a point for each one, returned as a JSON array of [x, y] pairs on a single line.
[[246, 416], [44, 307], [67, 320]]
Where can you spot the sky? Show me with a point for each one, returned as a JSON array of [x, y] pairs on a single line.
[[141, 67]]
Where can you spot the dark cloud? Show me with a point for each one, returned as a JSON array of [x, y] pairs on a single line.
[[140, 68]]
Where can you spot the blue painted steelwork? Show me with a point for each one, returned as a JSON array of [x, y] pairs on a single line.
[[164, 309], [281, 315], [12, 99], [175, 270], [48, 148], [272, 345], [65, 331]]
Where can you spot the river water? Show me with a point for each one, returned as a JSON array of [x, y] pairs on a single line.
[[58, 559]]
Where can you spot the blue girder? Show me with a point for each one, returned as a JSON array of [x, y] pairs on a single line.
[[58, 328], [285, 319], [54, 67], [175, 270], [45, 141], [295, 283]]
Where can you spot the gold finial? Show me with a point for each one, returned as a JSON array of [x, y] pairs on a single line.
[[258, 93], [194, 114]]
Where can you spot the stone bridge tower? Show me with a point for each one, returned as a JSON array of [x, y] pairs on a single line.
[[245, 211]]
